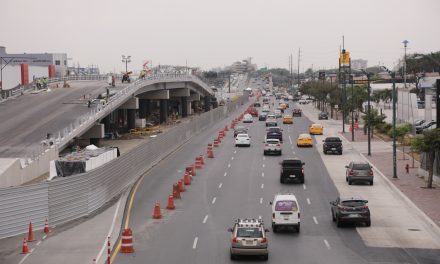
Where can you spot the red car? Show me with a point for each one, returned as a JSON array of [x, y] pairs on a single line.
[[253, 112]]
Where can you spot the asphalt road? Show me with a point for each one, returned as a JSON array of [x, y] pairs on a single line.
[[27, 119], [239, 183]]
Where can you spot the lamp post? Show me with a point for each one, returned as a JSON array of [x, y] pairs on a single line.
[[126, 60], [368, 110], [393, 77], [405, 44]]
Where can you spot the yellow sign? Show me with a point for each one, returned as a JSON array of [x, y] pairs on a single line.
[[344, 58]]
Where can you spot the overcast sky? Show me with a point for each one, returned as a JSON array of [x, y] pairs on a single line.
[[208, 33]]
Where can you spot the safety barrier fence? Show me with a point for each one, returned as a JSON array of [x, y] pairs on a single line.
[[65, 199]]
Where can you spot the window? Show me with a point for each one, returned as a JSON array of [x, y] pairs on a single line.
[[249, 232], [65, 63], [57, 62], [286, 206]]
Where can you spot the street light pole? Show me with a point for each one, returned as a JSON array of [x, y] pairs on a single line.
[[369, 115], [393, 76]]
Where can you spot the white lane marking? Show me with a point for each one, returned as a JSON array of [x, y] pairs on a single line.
[[229, 165], [262, 174], [261, 200], [220, 185], [104, 246], [179, 171], [315, 220], [44, 237], [235, 151], [264, 165], [304, 186], [262, 185], [232, 158], [205, 219], [25, 257], [38, 243], [213, 200], [326, 243], [195, 242], [290, 139], [308, 201], [264, 158], [224, 175]]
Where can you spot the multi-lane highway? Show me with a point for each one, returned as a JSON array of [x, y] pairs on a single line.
[[27, 119], [239, 183]]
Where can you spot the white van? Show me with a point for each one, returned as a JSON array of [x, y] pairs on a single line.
[[285, 212]]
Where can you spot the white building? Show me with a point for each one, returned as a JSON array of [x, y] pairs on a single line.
[[359, 64]]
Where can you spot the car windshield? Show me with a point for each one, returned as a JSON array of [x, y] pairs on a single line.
[[274, 129], [333, 140], [240, 128], [353, 203], [242, 135], [253, 232], [361, 166], [286, 206]]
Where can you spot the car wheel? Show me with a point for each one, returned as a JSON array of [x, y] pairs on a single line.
[[264, 153], [281, 180], [266, 257], [232, 256], [298, 228], [368, 223], [325, 152], [346, 179], [302, 180], [333, 217], [274, 228], [280, 153], [349, 182], [338, 222], [371, 182], [340, 153], [235, 144]]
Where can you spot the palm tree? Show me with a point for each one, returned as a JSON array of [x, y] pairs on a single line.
[[429, 143]]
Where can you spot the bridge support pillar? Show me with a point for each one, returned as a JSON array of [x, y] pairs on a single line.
[[131, 116], [143, 108], [163, 110], [207, 103], [184, 107]]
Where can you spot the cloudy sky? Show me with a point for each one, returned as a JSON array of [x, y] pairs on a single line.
[[209, 33]]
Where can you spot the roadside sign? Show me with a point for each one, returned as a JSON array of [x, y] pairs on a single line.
[[344, 58], [336, 106]]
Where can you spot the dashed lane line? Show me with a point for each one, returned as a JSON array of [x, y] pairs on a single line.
[[264, 165], [264, 158], [262, 186], [205, 219], [232, 158], [315, 220], [213, 200], [308, 201], [235, 151], [224, 175], [195, 242], [327, 244], [220, 185], [229, 165], [262, 174], [261, 200], [290, 139], [304, 186]]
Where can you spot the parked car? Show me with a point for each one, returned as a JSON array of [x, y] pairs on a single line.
[[350, 210], [247, 118], [323, 115], [297, 112], [419, 122], [285, 212], [332, 145], [421, 128], [262, 117], [243, 140], [292, 170], [249, 239], [274, 132], [304, 140], [359, 171], [240, 130], [272, 146], [316, 129]]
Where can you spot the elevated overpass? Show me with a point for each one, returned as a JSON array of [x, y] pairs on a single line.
[[27, 122]]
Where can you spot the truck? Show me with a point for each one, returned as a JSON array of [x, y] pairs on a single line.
[[333, 145], [292, 170]]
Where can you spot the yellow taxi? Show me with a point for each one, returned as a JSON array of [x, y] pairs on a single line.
[[304, 140], [287, 119], [316, 129]]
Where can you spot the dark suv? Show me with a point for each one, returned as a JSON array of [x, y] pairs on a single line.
[[359, 171], [350, 210], [332, 144], [274, 132], [323, 115], [292, 170], [296, 112]]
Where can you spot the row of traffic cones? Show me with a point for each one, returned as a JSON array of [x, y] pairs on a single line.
[[31, 237]]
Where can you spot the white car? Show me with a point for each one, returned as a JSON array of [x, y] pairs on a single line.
[[243, 140], [278, 113], [285, 212], [272, 145], [265, 109], [271, 116], [248, 118]]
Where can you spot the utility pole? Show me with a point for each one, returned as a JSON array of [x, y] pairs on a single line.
[[369, 115], [229, 84], [405, 43], [393, 76], [352, 103], [299, 59]]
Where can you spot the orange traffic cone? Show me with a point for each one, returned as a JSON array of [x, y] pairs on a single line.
[[25, 249], [186, 179], [216, 142], [202, 160], [176, 191], [46, 227], [181, 186], [127, 241], [198, 163], [156, 211], [226, 128], [170, 205], [210, 154], [31, 233], [193, 170]]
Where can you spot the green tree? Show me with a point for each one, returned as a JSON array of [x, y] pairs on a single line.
[[401, 133], [429, 143], [374, 119]]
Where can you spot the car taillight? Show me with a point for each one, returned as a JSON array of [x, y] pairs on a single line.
[[234, 240], [278, 145], [302, 170], [342, 208], [273, 215], [351, 173], [370, 173], [364, 207], [266, 145], [263, 240]]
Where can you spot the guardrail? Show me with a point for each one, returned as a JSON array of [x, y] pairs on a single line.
[[65, 199]]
